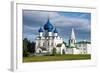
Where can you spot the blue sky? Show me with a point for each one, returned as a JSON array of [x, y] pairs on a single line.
[[63, 21]]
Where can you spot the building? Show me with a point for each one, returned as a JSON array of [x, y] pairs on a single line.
[[74, 47], [72, 39], [49, 41], [71, 48], [84, 47]]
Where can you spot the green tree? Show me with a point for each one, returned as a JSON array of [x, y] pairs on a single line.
[[54, 51], [25, 48], [25, 43], [29, 47], [33, 47]]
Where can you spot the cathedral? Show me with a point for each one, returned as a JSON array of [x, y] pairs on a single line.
[[49, 41]]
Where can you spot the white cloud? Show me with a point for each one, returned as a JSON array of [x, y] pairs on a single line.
[[64, 21], [30, 28], [40, 17]]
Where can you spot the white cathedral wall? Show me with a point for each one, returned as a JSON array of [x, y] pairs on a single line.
[[63, 47], [58, 49], [50, 33], [55, 34], [89, 49], [38, 50], [36, 45], [39, 43], [58, 40], [76, 51], [52, 43], [41, 34]]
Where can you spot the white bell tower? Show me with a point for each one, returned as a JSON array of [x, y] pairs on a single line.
[[72, 39]]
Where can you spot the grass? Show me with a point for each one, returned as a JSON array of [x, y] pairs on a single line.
[[57, 58]]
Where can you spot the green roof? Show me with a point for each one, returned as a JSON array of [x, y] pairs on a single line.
[[70, 47], [83, 42]]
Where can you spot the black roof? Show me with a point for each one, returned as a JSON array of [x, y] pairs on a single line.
[[59, 45]]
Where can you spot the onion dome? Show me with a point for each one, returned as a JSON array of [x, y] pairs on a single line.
[[40, 30], [48, 26], [55, 30]]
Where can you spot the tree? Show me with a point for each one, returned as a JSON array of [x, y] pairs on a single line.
[[25, 43], [33, 46], [25, 53], [25, 48], [28, 47], [54, 51]]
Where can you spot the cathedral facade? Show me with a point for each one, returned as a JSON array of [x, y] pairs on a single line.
[[48, 40]]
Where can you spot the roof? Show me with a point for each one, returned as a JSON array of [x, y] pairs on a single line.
[[59, 45], [55, 30], [83, 42], [40, 30], [48, 26], [70, 47], [43, 48]]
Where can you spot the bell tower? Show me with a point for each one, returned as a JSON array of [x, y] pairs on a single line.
[[72, 39]]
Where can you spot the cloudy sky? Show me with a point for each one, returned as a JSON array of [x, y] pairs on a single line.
[[63, 21]]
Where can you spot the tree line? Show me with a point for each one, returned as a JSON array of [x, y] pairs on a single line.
[[28, 47]]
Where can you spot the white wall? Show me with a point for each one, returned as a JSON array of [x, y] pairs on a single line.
[[76, 51], [5, 36], [89, 48]]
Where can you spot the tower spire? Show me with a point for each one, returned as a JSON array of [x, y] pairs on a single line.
[[48, 16], [72, 39], [72, 34]]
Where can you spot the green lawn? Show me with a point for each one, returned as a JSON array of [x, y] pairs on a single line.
[[57, 58]]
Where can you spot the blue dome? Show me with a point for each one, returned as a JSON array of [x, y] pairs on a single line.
[[40, 30], [48, 26], [55, 31]]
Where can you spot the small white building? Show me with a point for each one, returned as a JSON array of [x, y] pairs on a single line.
[[84, 47], [61, 48]]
